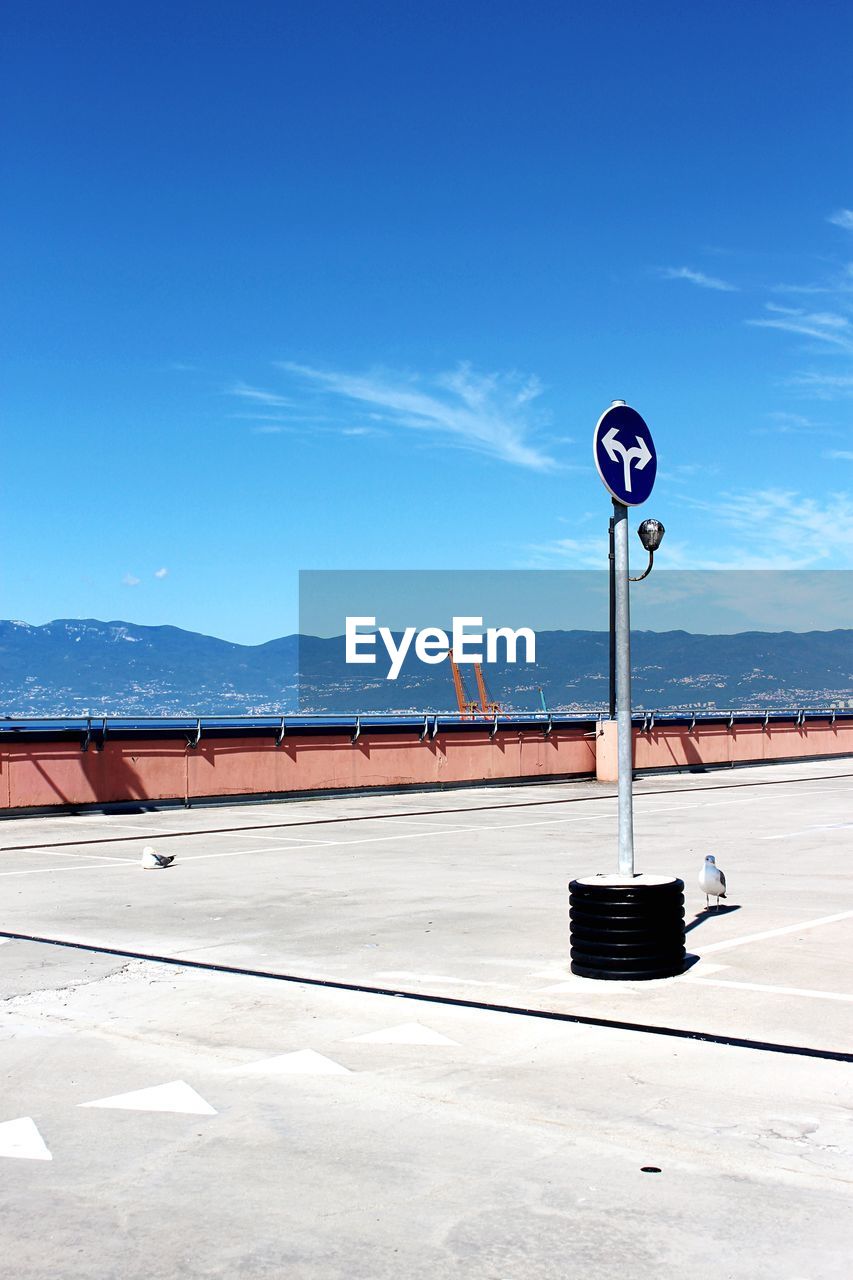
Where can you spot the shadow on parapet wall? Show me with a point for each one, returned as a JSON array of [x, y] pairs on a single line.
[[54, 774], [682, 745]]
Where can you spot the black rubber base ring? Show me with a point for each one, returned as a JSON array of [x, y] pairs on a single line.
[[627, 975], [609, 947], [644, 894], [657, 906], [582, 935], [639, 919]]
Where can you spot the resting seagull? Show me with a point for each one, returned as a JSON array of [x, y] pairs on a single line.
[[151, 859], [712, 882]]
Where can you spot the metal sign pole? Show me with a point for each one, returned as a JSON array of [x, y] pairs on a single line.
[[625, 926], [611, 705], [623, 691]]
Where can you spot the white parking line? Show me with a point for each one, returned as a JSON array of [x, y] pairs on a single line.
[[692, 799], [239, 853], [56, 853], [762, 986], [285, 845], [410, 835], [806, 831], [776, 933], [92, 866], [253, 835], [431, 832], [427, 821]]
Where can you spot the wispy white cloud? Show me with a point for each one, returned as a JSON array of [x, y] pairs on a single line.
[[792, 424], [784, 419], [294, 422], [256, 395], [589, 552], [130, 580], [842, 218], [823, 319], [757, 529], [835, 281], [685, 472], [840, 455], [830, 329], [161, 573], [803, 289], [823, 386], [835, 286], [778, 529], [698, 278], [825, 326], [493, 413]]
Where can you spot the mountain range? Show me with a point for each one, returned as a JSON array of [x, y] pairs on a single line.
[[88, 667]]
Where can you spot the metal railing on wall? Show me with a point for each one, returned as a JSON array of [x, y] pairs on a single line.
[[94, 731]]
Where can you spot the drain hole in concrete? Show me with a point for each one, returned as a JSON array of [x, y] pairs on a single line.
[[650, 1168]]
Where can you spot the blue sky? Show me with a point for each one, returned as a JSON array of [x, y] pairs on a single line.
[[347, 286]]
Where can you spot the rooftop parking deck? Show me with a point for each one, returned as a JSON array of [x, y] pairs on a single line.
[[387, 1068]]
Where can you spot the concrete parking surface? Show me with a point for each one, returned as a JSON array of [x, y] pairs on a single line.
[[162, 1120]]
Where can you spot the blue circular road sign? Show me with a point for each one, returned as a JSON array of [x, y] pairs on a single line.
[[625, 454]]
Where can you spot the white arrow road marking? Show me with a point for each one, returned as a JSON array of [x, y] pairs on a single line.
[[21, 1140], [176, 1096], [406, 1033], [640, 454], [305, 1062]]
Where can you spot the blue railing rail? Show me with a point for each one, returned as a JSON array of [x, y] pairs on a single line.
[[96, 730]]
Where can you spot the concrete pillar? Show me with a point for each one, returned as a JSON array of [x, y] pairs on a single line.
[[607, 752]]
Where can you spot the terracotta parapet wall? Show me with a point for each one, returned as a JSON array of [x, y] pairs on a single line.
[[678, 746], [51, 773], [46, 774]]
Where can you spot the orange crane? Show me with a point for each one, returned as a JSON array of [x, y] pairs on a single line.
[[490, 707], [470, 708]]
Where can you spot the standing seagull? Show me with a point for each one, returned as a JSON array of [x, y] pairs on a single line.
[[712, 881]]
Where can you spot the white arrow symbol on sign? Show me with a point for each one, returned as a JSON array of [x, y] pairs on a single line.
[[640, 454]]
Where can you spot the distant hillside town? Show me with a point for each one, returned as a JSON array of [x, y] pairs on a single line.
[[86, 667]]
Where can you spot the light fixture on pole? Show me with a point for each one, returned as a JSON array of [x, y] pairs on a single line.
[[650, 534]]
